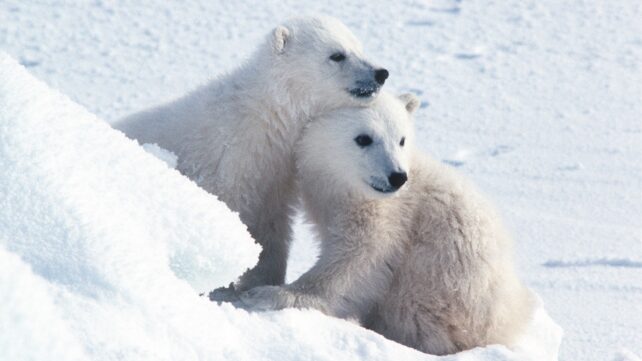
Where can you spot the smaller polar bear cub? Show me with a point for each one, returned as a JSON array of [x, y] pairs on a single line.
[[408, 247]]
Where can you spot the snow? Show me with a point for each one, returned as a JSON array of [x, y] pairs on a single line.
[[537, 101], [626, 356], [589, 262], [27, 307], [165, 155]]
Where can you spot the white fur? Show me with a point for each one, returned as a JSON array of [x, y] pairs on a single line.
[[235, 135], [429, 266]]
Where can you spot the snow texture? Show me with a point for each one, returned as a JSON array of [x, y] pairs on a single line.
[[101, 242], [537, 101], [163, 154]]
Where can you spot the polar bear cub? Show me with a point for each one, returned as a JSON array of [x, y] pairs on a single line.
[[235, 135], [408, 247]]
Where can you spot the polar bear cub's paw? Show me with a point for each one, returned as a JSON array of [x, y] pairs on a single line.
[[265, 298], [225, 294]]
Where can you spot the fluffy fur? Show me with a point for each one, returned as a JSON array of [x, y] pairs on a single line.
[[235, 135], [429, 266]]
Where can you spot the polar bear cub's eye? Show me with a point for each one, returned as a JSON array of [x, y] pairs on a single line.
[[403, 141], [363, 140], [338, 57]]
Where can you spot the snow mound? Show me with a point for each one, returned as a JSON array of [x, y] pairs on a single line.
[[104, 249]]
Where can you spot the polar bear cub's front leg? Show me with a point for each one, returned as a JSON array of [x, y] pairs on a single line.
[[351, 274], [270, 298], [329, 288]]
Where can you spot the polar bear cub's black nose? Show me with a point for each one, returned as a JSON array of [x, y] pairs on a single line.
[[397, 179], [381, 75]]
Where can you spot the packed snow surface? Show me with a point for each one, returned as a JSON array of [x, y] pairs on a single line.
[[539, 102]]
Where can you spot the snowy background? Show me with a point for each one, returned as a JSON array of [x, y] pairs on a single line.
[[539, 102]]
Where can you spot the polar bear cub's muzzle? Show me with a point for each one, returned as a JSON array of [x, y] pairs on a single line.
[[369, 87]]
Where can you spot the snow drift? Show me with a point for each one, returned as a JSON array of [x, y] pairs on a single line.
[[104, 250]]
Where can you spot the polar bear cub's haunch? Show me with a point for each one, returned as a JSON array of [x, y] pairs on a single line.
[[234, 136], [408, 247]]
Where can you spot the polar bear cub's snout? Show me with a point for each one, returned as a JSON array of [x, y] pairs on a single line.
[[397, 179], [370, 85]]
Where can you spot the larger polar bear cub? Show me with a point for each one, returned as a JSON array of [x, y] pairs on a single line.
[[235, 135], [408, 247]]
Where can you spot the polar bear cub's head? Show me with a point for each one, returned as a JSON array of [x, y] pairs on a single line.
[[363, 151], [320, 58]]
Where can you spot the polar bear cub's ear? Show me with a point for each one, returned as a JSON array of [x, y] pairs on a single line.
[[280, 38], [411, 101]]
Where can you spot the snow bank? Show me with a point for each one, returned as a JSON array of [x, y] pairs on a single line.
[[104, 249]]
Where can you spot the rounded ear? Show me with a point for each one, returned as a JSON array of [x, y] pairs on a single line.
[[280, 38], [411, 101]]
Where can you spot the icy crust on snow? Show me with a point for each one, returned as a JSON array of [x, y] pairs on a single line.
[[103, 250]]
